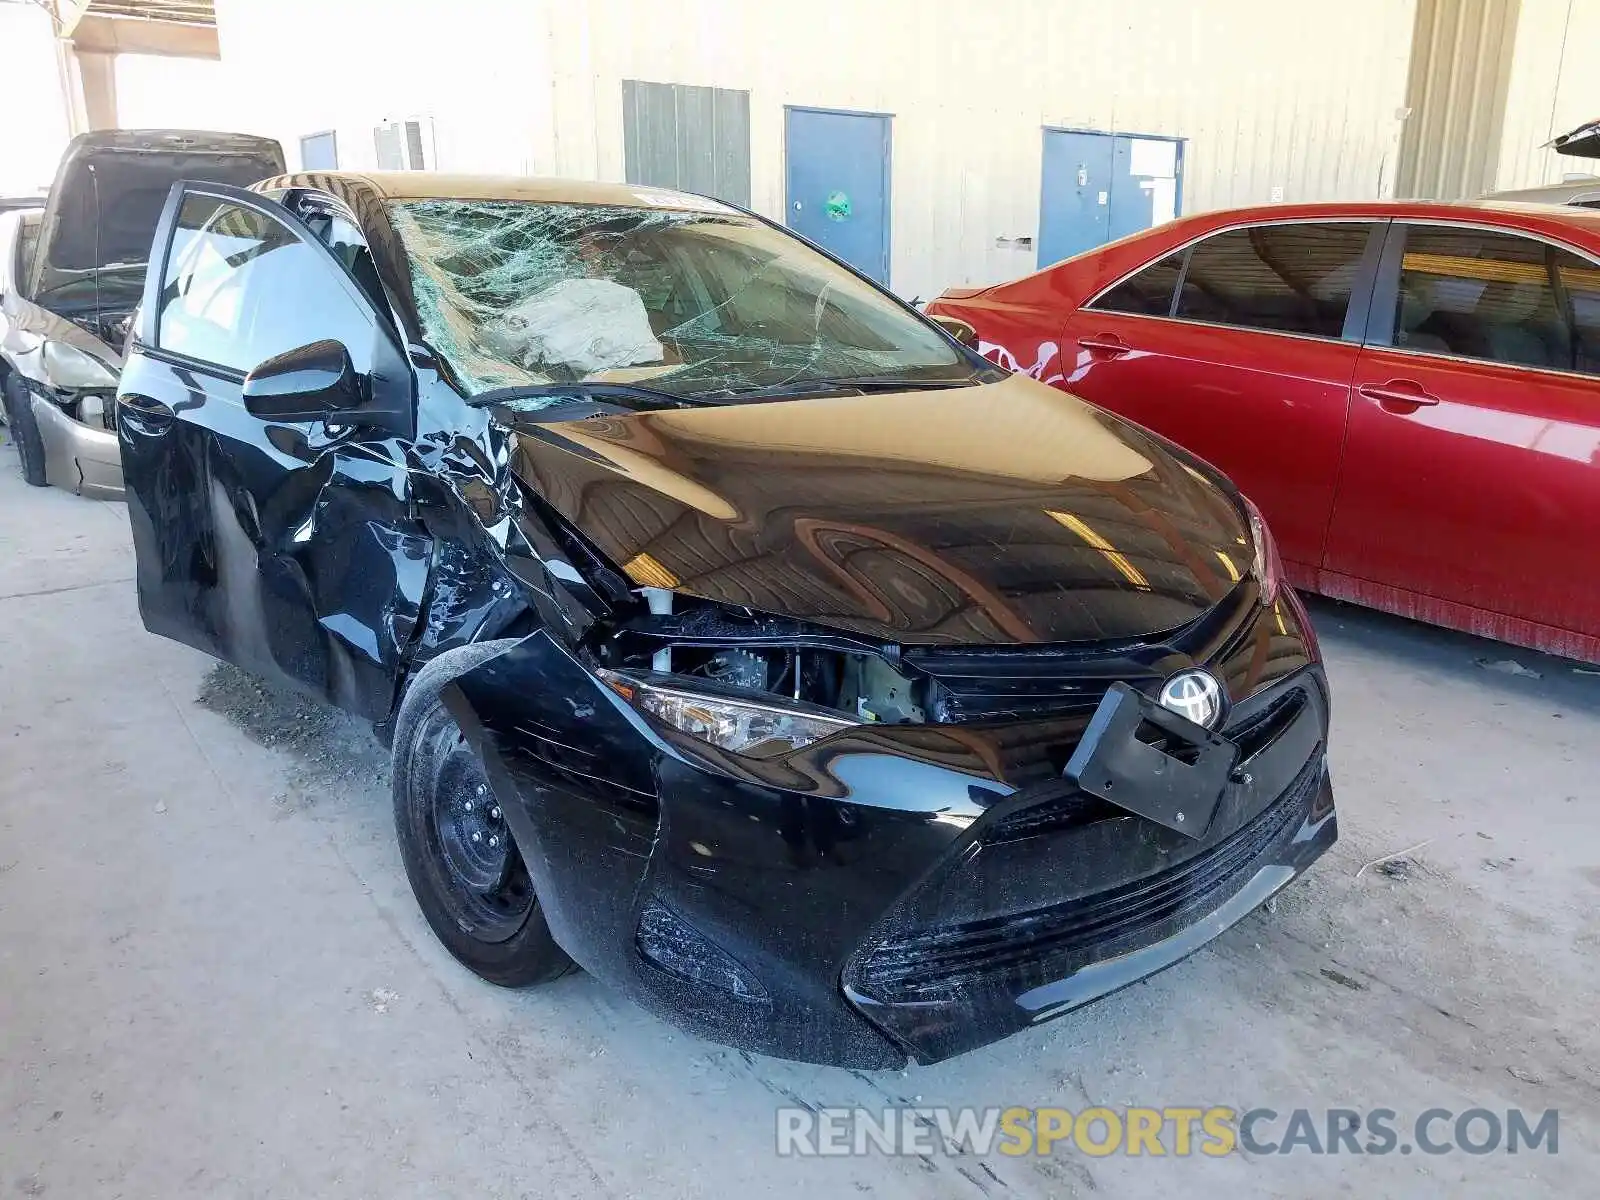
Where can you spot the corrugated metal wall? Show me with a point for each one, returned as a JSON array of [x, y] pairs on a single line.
[[1555, 85], [1261, 102], [1298, 98], [696, 139], [1461, 55]]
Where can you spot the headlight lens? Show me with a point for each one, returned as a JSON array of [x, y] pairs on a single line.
[[68, 367], [743, 726], [1267, 566]]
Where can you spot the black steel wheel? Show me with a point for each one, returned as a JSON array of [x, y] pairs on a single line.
[[465, 868]]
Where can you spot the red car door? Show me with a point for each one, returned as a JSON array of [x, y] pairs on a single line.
[[1472, 466], [1241, 349]]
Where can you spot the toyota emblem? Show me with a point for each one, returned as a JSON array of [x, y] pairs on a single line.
[[1196, 695]]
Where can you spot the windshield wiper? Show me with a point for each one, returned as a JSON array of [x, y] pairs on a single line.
[[864, 385], [630, 396]]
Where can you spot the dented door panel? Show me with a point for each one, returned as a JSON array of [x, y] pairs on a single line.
[[281, 548]]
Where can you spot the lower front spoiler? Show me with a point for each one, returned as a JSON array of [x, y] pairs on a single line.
[[76, 457], [988, 1009]]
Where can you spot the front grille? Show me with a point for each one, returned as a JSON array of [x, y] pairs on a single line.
[[959, 698], [929, 964], [1038, 682]]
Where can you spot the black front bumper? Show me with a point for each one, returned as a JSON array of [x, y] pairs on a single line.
[[942, 985], [891, 892]]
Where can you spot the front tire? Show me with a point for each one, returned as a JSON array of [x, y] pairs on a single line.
[[464, 866], [24, 431]]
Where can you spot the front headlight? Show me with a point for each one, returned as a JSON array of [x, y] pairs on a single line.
[[1266, 565], [752, 726], [68, 367]]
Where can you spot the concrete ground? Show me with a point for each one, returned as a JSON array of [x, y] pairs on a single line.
[[214, 981]]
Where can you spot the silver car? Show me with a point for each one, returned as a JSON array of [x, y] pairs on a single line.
[[1582, 190], [71, 275]]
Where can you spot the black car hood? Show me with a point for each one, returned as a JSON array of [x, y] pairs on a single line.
[[994, 514], [110, 188]]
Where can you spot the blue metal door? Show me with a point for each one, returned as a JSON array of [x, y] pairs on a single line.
[[838, 185], [1101, 186], [1144, 183], [1075, 198]]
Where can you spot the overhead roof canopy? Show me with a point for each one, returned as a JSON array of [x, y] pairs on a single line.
[[185, 28], [185, 12]]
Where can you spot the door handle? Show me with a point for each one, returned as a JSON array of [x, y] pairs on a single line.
[[1399, 396], [1108, 344]]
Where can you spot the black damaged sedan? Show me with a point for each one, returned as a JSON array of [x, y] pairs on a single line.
[[741, 636]]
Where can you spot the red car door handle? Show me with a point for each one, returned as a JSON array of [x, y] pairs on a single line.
[[1104, 343], [1398, 395]]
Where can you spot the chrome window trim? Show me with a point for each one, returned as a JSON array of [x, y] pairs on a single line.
[[1191, 323], [1479, 362]]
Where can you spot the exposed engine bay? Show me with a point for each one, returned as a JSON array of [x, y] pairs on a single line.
[[763, 655], [98, 410]]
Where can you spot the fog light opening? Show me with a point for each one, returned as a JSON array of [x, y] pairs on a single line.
[[669, 942]]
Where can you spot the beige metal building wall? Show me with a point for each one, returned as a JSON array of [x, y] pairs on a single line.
[[1461, 55], [1293, 101], [1555, 86], [1286, 99]]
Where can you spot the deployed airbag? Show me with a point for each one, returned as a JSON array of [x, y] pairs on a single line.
[[586, 325]]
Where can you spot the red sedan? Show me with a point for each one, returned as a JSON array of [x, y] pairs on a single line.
[[1409, 391]]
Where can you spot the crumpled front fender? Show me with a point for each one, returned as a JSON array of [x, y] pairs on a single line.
[[570, 767]]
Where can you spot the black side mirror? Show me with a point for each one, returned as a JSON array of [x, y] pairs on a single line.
[[308, 383], [958, 329]]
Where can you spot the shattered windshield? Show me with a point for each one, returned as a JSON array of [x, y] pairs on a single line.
[[701, 305]]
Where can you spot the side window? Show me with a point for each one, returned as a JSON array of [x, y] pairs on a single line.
[[1481, 294], [1288, 278], [349, 246], [240, 287], [1580, 280], [1149, 292]]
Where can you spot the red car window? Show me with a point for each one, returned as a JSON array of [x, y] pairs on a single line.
[[1483, 294], [1581, 281], [1290, 278], [1149, 291]]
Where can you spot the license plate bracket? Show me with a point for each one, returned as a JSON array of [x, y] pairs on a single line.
[[1153, 762]]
